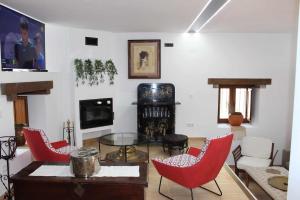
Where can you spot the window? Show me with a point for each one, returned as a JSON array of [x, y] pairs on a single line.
[[236, 95], [234, 99]]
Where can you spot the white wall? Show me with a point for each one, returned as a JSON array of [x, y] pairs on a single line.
[[63, 45], [294, 176], [193, 60], [188, 65], [46, 112], [104, 90], [49, 104], [43, 112]]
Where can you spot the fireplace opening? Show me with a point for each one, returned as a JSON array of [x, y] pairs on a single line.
[[96, 113]]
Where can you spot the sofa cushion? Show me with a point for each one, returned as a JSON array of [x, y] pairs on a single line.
[[256, 147], [246, 161]]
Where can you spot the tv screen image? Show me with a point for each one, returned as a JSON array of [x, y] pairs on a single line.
[[22, 41]]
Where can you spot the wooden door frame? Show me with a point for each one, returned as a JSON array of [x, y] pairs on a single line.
[[26, 109]]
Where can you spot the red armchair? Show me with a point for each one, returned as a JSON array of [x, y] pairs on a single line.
[[43, 150], [197, 167]]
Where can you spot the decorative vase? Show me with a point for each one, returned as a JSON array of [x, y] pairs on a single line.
[[235, 119]]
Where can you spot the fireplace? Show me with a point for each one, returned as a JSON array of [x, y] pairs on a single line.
[[96, 113]]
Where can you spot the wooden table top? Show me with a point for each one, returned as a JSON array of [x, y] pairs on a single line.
[[23, 175]]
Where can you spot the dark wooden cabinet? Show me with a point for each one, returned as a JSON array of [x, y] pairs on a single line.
[[156, 110], [71, 188]]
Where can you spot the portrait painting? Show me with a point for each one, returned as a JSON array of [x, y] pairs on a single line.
[[144, 59]]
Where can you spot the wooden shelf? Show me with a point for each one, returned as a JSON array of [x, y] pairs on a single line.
[[12, 90], [258, 82]]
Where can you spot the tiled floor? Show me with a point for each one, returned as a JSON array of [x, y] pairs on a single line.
[[231, 190]]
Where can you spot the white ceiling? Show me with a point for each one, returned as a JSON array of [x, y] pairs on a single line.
[[162, 15], [114, 15], [256, 16]]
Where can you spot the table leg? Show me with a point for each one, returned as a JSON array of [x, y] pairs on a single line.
[[181, 147], [148, 151], [99, 146], [170, 149], [125, 153]]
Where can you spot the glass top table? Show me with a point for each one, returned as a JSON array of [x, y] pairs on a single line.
[[124, 140]]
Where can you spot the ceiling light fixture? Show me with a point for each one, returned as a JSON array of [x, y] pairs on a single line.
[[189, 29], [209, 11]]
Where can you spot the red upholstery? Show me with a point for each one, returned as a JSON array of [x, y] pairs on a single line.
[[204, 171], [194, 151], [40, 150], [59, 144]]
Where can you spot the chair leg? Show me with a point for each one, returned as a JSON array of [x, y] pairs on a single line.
[[247, 179], [220, 191], [192, 194], [161, 192], [168, 196], [237, 172]]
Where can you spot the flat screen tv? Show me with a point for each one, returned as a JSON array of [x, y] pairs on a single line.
[[22, 41]]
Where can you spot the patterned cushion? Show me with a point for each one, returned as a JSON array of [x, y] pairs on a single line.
[[203, 150], [183, 160], [186, 160]]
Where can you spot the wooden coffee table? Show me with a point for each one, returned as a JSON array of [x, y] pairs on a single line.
[[261, 176], [72, 188]]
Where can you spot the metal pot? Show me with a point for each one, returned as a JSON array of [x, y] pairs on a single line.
[[83, 162]]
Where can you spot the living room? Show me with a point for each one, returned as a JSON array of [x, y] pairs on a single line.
[[245, 40]]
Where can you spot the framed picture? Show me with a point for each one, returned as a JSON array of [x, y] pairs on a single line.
[[144, 59]]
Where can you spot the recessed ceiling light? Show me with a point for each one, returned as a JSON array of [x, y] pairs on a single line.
[[189, 29], [209, 11]]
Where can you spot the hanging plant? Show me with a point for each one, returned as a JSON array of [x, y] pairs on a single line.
[[94, 72], [111, 70], [89, 72], [79, 71], [99, 71]]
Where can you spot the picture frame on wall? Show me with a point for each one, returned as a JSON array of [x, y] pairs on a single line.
[[144, 59]]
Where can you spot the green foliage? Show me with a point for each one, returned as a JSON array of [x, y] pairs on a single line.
[[99, 70], [94, 72], [79, 71], [89, 72], [111, 70]]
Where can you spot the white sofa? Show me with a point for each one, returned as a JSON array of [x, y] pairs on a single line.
[[253, 152]]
